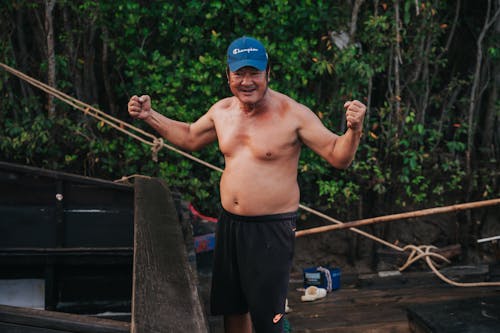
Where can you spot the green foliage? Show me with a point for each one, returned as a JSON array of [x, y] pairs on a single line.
[[175, 52]]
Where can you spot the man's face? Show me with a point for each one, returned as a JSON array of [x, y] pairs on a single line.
[[248, 84]]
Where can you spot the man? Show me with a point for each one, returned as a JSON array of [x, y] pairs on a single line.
[[260, 133]]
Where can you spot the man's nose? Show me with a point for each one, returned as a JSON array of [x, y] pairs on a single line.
[[246, 79]]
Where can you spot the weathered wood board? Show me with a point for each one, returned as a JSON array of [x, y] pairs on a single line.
[[23, 320], [477, 315], [165, 296]]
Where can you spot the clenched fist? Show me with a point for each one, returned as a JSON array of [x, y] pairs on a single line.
[[354, 114], [140, 107]]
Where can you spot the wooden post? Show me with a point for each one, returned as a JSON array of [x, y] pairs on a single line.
[[165, 296]]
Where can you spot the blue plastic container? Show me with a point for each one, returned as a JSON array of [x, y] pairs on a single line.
[[315, 277]]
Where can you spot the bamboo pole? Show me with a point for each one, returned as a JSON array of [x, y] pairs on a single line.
[[400, 216], [489, 239]]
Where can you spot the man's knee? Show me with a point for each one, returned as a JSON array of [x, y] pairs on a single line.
[[239, 323]]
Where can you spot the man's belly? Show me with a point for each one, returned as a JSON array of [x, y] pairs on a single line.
[[250, 194]]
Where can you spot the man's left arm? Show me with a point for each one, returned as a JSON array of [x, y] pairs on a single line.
[[347, 144], [339, 151]]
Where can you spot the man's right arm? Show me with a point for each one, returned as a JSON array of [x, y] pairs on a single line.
[[184, 135]]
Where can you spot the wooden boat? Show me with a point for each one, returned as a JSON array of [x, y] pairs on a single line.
[[110, 257], [72, 233]]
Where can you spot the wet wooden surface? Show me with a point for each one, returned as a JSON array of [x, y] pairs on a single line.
[[373, 304], [478, 315]]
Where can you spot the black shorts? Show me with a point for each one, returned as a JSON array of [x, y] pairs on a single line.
[[252, 261]]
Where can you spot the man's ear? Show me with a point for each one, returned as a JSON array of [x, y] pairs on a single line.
[[227, 74], [268, 73]]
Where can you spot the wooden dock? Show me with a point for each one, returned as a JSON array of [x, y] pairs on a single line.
[[378, 305]]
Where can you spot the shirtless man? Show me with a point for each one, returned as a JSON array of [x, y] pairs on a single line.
[[260, 132]]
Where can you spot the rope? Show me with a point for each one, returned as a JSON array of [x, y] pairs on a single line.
[[125, 179], [424, 251], [116, 123], [157, 144], [328, 276]]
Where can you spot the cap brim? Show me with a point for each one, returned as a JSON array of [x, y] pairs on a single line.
[[259, 64]]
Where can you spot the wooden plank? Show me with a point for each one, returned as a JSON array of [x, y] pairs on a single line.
[[16, 319], [396, 327], [13, 260], [478, 315], [165, 296], [6, 167], [378, 307], [13, 328]]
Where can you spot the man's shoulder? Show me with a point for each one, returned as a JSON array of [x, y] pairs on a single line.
[[289, 103], [222, 104]]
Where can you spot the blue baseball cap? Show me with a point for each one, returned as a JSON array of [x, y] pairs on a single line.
[[246, 51]]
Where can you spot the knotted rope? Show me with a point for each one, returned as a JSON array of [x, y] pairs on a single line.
[[157, 145], [425, 251]]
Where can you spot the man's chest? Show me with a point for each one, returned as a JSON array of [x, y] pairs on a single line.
[[264, 138]]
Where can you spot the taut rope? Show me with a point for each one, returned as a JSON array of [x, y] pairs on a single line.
[[158, 143], [116, 123]]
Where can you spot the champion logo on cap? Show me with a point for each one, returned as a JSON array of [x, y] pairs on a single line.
[[236, 51], [246, 52]]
